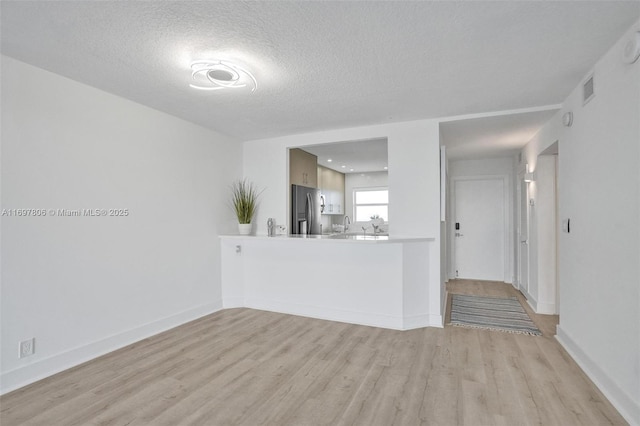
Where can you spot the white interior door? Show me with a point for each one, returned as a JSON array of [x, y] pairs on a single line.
[[523, 235], [480, 239]]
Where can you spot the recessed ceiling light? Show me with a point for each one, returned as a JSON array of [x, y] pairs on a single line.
[[329, 160], [350, 170], [343, 166], [217, 75], [386, 168]]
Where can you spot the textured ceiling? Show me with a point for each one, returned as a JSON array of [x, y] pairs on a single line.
[[356, 156], [320, 65], [496, 136]]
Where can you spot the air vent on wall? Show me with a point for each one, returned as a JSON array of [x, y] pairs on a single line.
[[587, 90]]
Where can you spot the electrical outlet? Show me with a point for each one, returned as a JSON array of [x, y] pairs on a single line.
[[27, 348]]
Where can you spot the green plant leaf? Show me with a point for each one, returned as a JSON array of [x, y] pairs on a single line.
[[244, 197]]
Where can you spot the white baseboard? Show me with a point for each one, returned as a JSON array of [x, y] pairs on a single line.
[[545, 308], [46, 367], [394, 322], [436, 321], [421, 321], [416, 321], [628, 407], [530, 300], [444, 306], [539, 307], [325, 313], [233, 302]]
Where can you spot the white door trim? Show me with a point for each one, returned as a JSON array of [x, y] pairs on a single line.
[[519, 195], [507, 220]]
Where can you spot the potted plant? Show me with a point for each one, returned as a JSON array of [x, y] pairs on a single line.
[[245, 202], [376, 222]]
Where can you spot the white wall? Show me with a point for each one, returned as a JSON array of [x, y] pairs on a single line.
[[542, 236], [444, 221], [413, 173], [541, 293], [483, 167], [599, 190], [414, 180], [83, 286], [357, 181]]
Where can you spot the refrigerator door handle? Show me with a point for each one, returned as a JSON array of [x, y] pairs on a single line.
[[309, 208]]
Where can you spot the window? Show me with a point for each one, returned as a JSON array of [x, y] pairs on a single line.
[[370, 202]]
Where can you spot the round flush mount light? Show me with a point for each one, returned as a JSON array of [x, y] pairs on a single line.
[[217, 75]]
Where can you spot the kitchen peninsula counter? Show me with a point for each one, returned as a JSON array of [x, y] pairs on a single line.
[[382, 281], [344, 238]]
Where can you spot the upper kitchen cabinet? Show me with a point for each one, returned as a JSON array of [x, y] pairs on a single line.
[[331, 184], [303, 168]]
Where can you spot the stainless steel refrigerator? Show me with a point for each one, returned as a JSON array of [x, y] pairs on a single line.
[[305, 210]]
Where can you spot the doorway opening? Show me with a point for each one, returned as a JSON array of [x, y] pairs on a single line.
[[538, 230]]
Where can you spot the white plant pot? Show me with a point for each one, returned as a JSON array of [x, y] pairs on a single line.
[[244, 228]]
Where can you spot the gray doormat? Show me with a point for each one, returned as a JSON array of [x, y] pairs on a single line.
[[490, 313]]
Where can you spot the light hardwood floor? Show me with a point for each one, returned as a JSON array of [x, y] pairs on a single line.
[[249, 367]]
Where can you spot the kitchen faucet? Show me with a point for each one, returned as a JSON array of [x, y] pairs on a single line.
[[345, 223]]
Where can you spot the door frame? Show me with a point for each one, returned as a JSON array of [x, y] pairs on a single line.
[[519, 195], [507, 220]]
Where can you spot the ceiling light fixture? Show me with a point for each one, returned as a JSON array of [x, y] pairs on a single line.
[[329, 160], [343, 166], [386, 168], [216, 75]]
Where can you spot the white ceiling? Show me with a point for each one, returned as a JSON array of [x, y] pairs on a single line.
[[356, 156], [321, 65], [494, 136]]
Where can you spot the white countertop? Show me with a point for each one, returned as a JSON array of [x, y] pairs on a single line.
[[335, 238]]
